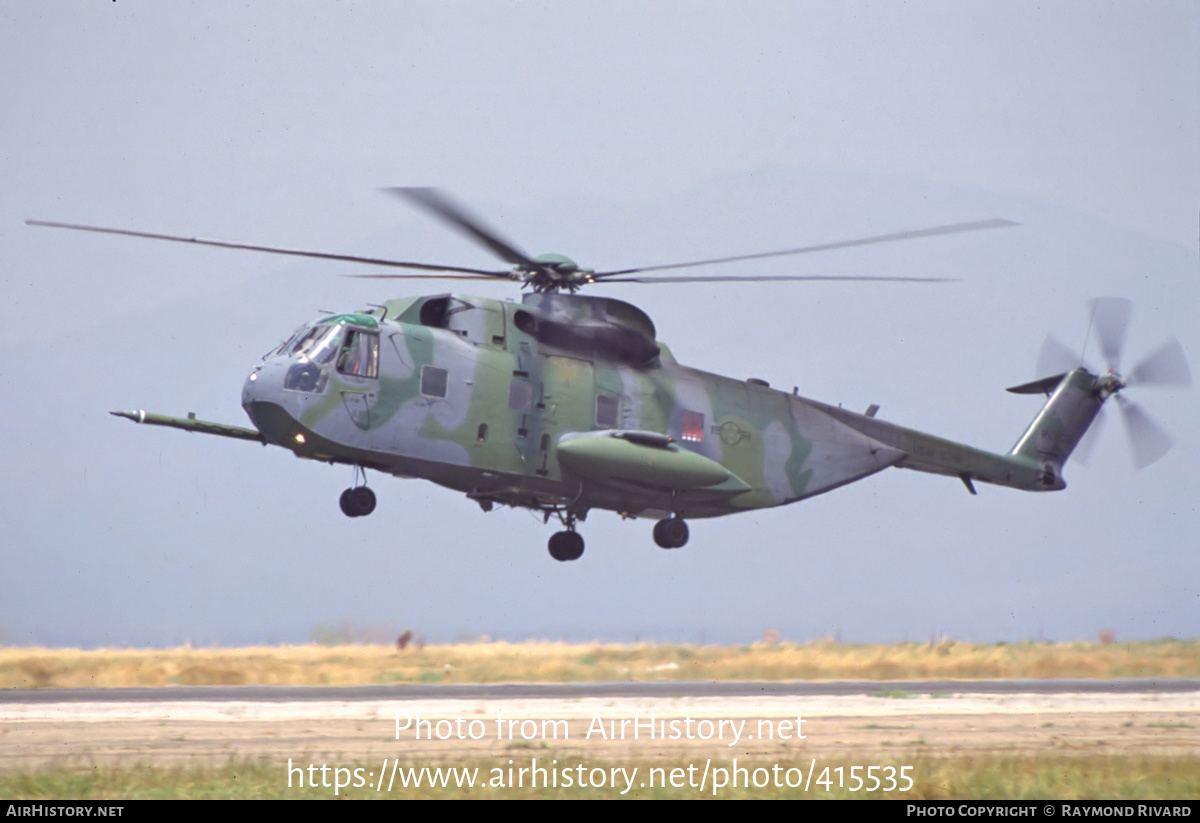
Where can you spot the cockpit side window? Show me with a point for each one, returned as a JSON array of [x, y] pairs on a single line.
[[360, 354]]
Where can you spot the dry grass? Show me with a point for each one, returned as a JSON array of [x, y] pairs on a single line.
[[1000, 777], [499, 662]]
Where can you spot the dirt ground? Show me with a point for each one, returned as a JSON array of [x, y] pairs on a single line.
[[836, 730]]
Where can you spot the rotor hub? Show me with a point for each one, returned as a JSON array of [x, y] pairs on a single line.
[[554, 272], [1109, 384]]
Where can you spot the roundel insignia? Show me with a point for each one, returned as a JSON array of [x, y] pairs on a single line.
[[731, 433]]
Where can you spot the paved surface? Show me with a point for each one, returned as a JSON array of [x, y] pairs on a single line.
[[895, 723]]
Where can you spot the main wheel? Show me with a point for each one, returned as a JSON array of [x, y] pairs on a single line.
[[366, 501], [671, 533], [357, 502], [566, 546]]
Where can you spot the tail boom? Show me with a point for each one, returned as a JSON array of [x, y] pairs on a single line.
[[937, 455], [1033, 464]]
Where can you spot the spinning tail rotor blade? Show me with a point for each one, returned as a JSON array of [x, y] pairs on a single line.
[[1110, 319], [1165, 366], [1147, 441], [1055, 358], [1087, 444]]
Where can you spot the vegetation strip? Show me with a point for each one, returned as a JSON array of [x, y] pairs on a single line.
[[1029, 778], [548, 662]]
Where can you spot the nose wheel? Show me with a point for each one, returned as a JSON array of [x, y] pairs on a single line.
[[671, 533]]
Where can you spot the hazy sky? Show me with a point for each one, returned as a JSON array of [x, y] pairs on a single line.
[[620, 134]]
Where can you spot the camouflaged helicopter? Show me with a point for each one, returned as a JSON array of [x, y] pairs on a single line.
[[565, 403]]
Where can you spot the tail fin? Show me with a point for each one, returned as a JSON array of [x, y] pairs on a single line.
[[1075, 399]]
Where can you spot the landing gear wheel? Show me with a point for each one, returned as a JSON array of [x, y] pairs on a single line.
[[357, 502], [671, 533], [366, 501], [566, 546]]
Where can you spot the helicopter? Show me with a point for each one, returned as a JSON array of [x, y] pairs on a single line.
[[565, 403]]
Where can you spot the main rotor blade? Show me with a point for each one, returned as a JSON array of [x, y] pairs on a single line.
[[1165, 366], [1110, 319], [446, 276], [762, 278], [436, 202], [955, 228], [1147, 441], [223, 244]]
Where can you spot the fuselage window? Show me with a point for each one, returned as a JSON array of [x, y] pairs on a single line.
[[608, 410], [433, 382], [691, 426], [360, 354], [481, 435]]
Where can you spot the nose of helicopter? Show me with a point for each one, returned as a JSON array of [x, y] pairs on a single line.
[[254, 393], [250, 391], [265, 404]]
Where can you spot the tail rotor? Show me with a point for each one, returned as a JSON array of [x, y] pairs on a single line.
[[1164, 367]]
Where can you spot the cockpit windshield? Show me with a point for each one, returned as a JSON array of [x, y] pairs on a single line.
[[317, 344], [328, 345]]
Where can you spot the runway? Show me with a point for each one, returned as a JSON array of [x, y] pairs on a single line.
[[422, 691], [769, 722]]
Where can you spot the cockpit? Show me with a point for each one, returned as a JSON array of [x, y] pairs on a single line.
[[346, 343]]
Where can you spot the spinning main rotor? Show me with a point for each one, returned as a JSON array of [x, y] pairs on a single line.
[[554, 272]]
